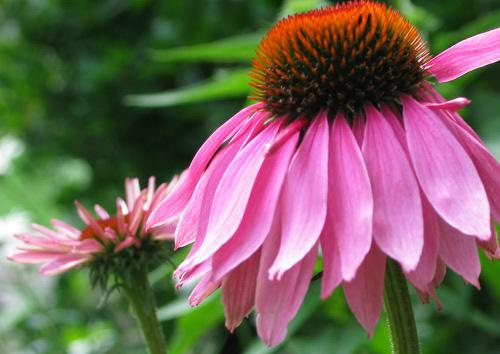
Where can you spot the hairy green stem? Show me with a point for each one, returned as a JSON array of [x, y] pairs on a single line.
[[142, 302], [399, 310]]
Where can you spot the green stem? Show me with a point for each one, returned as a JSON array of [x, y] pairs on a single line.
[[399, 310], [141, 297]]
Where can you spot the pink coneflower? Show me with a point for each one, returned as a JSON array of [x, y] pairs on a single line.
[[107, 241], [349, 150]]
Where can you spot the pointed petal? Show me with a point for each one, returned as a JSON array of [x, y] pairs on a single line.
[[33, 257], [177, 200], [261, 210], [200, 215], [467, 55], [349, 198], [62, 264], [491, 247], [423, 274], [445, 172], [459, 252], [365, 292], [451, 105], [486, 165], [397, 216], [304, 197], [202, 290], [231, 198], [332, 272], [238, 291], [277, 301], [440, 273]]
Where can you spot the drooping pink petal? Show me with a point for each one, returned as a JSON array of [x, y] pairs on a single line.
[[491, 247], [332, 272], [451, 105], [231, 198], [467, 55], [179, 197], [397, 217], [202, 290], [459, 252], [423, 274], [164, 232], [358, 129], [277, 301], [189, 222], [350, 198], [440, 273], [199, 215], [445, 172], [486, 165], [304, 201], [63, 263], [261, 210], [365, 293], [238, 291]]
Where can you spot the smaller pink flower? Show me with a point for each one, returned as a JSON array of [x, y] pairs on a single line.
[[105, 239]]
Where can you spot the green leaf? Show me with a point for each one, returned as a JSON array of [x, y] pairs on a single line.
[[291, 7], [195, 324], [230, 84], [227, 50], [484, 23]]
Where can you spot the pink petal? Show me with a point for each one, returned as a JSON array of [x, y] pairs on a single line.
[[451, 105], [199, 215], [261, 210], [180, 196], [231, 198], [188, 226], [277, 301], [332, 273], [66, 229], [304, 198], [238, 291], [202, 290], [33, 257], [164, 232], [358, 129], [445, 172], [365, 292], [440, 273], [490, 246], [132, 191], [459, 252], [397, 218], [423, 274], [63, 263], [467, 55], [486, 165], [349, 198]]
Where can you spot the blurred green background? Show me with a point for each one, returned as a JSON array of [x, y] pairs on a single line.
[[94, 91]]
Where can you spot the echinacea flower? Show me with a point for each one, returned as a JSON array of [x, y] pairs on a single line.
[[351, 150], [107, 242]]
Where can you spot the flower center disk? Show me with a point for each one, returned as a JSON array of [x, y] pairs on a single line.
[[338, 59]]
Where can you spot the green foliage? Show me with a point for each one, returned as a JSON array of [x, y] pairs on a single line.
[[73, 83]]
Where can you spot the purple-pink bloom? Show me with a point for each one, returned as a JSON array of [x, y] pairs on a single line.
[[65, 247], [351, 151]]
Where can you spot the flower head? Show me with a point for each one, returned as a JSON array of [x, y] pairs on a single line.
[[351, 151], [108, 243]]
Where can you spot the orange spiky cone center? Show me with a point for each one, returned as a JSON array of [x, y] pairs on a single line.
[[338, 59]]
